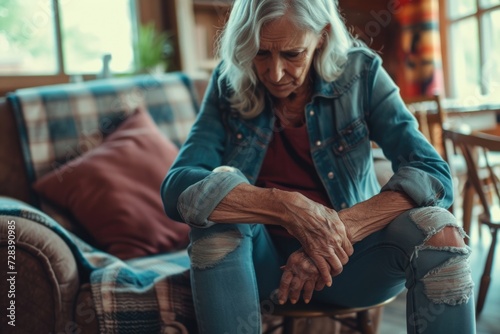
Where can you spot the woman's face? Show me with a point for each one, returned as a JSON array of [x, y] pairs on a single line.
[[285, 56]]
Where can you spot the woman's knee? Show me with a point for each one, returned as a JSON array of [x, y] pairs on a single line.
[[438, 225], [432, 226]]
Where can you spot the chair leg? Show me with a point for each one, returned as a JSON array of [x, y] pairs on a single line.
[[365, 323], [486, 278], [468, 204], [288, 324]]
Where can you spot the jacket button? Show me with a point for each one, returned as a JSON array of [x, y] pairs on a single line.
[[341, 148], [318, 143], [311, 112], [331, 175], [343, 205], [239, 136]]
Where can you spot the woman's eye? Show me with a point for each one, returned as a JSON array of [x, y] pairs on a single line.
[[293, 54], [261, 53]]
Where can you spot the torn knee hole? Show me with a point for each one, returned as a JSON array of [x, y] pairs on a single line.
[[440, 227], [449, 236], [210, 250], [451, 283]]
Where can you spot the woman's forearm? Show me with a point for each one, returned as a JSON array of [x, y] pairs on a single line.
[[374, 214], [249, 204], [319, 229]]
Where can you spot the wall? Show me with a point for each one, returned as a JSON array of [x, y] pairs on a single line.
[[374, 22]]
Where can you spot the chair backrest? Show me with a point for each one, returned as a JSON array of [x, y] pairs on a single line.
[[472, 144], [430, 116]]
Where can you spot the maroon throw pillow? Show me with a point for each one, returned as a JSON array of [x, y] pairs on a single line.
[[114, 190]]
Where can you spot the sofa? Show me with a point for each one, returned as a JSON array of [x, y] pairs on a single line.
[[60, 277], [57, 268]]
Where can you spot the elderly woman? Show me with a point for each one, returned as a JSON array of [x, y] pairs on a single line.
[[278, 183]]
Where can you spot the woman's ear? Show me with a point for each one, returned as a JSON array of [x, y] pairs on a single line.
[[324, 35]]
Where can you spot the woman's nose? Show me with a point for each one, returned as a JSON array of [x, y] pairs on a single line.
[[276, 70]]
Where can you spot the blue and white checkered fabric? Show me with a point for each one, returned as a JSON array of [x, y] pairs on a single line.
[[60, 122]]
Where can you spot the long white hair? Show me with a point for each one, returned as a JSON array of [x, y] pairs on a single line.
[[239, 44]]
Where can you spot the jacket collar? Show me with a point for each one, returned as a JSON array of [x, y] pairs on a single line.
[[322, 87]]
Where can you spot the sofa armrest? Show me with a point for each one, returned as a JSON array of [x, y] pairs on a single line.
[[46, 282]]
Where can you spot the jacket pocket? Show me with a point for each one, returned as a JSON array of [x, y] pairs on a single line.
[[350, 137], [240, 151], [352, 150]]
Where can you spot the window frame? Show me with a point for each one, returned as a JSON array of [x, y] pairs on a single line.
[[10, 83], [446, 43]]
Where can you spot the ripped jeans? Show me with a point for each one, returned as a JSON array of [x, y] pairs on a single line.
[[236, 268]]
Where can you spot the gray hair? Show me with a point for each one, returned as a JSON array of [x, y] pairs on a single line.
[[239, 44]]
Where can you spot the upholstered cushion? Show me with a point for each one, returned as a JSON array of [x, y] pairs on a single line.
[[113, 190]]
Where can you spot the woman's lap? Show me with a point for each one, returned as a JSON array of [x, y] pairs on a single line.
[[380, 267]]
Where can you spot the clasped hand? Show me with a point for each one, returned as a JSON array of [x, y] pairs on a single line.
[[325, 248]]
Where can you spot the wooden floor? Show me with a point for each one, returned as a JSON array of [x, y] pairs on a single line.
[[394, 318]]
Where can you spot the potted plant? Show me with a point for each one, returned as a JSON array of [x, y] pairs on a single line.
[[153, 49]]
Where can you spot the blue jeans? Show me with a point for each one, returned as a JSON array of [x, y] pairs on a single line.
[[236, 268]]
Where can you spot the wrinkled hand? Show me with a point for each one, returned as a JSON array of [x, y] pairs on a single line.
[[320, 232], [299, 274]]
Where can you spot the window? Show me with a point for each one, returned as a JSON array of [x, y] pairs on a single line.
[[27, 40], [93, 28], [473, 50], [59, 37]]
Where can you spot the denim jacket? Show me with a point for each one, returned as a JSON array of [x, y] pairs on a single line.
[[343, 116]]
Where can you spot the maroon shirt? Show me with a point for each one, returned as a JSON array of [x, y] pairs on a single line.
[[288, 166]]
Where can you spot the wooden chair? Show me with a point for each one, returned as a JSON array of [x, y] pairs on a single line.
[[431, 117], [361, 321], [473, 144]]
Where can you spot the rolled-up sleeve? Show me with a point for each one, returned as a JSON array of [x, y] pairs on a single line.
[[197, 182], [423, 188], [197, 202]]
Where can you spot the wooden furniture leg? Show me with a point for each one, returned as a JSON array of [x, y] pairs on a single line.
[[468, 203], [365, 323], [486, 278], [288, 323]]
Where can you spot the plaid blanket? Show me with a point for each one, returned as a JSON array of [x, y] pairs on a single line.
[[146, 295]]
